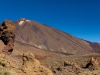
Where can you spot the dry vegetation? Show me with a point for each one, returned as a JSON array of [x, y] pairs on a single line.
[[56, 65]]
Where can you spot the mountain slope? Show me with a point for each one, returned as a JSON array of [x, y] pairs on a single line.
[[43, 37]]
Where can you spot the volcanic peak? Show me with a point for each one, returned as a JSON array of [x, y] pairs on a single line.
[[22, 21]]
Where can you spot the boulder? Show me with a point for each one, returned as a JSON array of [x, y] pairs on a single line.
[[93, 64], [31, 66], [72, 66]]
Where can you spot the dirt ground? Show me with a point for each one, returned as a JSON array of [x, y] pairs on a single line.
[[57, 66]]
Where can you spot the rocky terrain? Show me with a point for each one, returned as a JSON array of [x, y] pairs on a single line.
[[10, 65], [30, 48], [28, 65]]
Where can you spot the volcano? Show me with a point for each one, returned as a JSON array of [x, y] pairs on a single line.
[[38, 49], [33, 35]]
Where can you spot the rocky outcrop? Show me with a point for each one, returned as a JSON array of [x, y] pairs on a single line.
[[72, 66], [7, 35], [65, 68], [31, 66], [93, 64]]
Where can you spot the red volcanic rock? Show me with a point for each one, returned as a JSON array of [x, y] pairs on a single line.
[[7, 35]]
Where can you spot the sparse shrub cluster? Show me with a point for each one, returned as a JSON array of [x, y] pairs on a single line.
[[3, 68]]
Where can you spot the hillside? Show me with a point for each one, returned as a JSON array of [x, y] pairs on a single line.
[[34, 34]]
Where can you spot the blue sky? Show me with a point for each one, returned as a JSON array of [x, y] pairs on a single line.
[[80, 18]]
